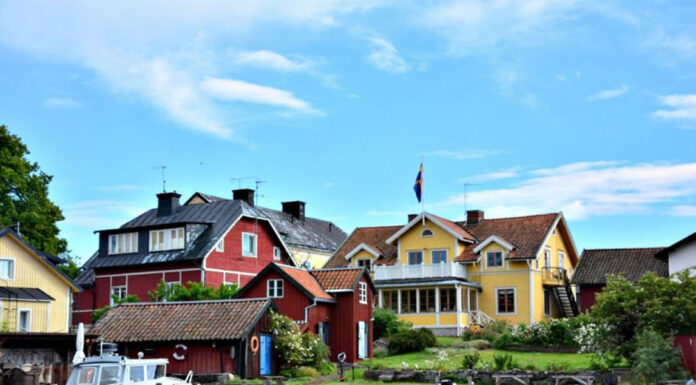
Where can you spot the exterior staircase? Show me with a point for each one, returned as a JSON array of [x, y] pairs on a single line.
[[480, 318], [563, 292]]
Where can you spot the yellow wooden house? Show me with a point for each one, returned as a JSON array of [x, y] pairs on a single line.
[[447, 275], [34, 295]]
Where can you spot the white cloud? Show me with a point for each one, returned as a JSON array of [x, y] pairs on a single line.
[[237, 90], [386, 57], [270, 60], [683, 211], [587, 189], [609, 94], [463, 154], [102, 213], [497, 175], [683, 107], [62, 103]]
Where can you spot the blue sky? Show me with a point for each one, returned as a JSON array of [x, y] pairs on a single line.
[[585, 107]]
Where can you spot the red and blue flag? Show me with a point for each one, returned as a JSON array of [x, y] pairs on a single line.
[[418, 186]]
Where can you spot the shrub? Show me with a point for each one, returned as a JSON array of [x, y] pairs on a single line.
[[476, 332], [99, 313], [557, 367], [295, 349], [471, 359], [655, 359], [380, 352], [504, 340], [299, 372], [477, 344], [504, 362], [604, 362], [411, 340], [386, 322], [327, 368]]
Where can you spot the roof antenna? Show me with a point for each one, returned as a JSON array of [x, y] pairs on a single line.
[[258, 184], [164, 182], [240, 179], [466, 185]]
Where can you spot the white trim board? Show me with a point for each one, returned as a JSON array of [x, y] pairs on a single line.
[[432, 219], [360, 247]]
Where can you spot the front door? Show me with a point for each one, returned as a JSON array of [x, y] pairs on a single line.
[[265, 352], [362, 340]]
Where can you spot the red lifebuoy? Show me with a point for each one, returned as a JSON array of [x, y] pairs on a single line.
[[254, 344], [180, 352]]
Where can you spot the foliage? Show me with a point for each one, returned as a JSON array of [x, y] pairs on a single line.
[[476, 332], [327, 368], [24, 197], [556, 367], [380, 352], [506, 339], [192, 291], [99, 313], [69, 266], [663, 304], [411, 340], [386, 322], [471, 359], [299, 372], [295, 349], [603, 362], [655, 359], [505, 362]]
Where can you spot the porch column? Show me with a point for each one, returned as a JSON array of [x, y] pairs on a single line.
[[398, 304], [417, 301], [437, 305], [380, 298], [458, 289]]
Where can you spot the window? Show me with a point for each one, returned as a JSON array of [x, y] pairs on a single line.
[[249, 245], [408, 301], [438, 256], [547, 257], [362, 292], [117, 292], [24, 321], [276, 253], [494, 259], [167, 239], [448, 300], [109, 375], [7, 268], [390, 300], [366, 263], [427, 301], [123, 243], [426, 233], [137, 373], [274, 288], [547, 302], [323, 332], [220, 246], [155, 372], [506, 301], [561, 259], [415, 257]]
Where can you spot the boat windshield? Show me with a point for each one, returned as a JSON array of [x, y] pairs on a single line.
[[96, 374]]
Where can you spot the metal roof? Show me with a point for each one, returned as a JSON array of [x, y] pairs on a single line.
[[24, 294]]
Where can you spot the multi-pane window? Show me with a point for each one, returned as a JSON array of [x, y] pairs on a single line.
[[24, 324], [408, 301], [427, 301], [390, 300], [494, 259], [362, 292], [415, 257], [439, 256], [123, 243], [561, 259], [167, 239], [547, 302], [274, 288], [366, 263], [249, 244], [426, 233], [276, 253], [506, 300], [118, 293], [448, 300], [7, 268]]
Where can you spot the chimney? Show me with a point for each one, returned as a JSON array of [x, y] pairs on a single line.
[[474, 217], [411, 217], [295, 208], [167, 203], [244, 194]]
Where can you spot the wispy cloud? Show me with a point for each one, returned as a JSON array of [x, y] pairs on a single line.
[[588, 189], [120, 187], [62, 103], [270, 60], [609, 94], [94, 214], [463, 154], [386, 57], [496, 175], [682, 107], [683, 211]]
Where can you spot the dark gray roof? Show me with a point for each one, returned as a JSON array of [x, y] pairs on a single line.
[[596, 264], [24, 293], [311, 233]]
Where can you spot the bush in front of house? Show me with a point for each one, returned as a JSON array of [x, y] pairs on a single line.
[[411, 340], [300, 372], [295, 349], [655, 359], [471, 359], [504, 362], [386, 322]]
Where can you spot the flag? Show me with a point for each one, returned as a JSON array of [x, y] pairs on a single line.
[[418, 186]]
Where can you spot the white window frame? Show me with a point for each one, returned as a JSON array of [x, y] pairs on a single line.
[[220, 246], [274, 284], [362, 293], [561, 259], [438, 250], [502, 259], [424, 235], [514, 297], [111, 293], [13, 268], [408, 256], [363, 260], [547, 257], [130, 242], [19, 318], [256, 244], [276, 253], [167, 239]]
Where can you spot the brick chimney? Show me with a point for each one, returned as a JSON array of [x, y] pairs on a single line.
[[474, 217], [295, 208], [167, 203], [244, 194], [411, 217]]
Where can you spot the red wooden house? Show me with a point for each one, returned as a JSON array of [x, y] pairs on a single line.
[[214, 241], [336, 304]]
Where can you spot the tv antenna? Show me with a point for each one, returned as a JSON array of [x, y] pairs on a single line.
[[240, 179], [258, 184], [466, 185], [164, 182]]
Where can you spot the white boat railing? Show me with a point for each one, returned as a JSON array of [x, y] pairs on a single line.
[[434, 270]]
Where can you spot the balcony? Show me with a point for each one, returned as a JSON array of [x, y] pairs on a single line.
[[554, 276], [435, 270]]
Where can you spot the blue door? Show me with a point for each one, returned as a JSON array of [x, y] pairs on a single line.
[[265, 352]]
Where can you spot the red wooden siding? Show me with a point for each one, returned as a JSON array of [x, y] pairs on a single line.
[[587, 296], [688, 348], [292, 304], [201, 357], [344, 327]]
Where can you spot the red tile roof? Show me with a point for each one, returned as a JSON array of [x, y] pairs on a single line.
[[180, 321], [374, 237], [455, 227], [306, 280], [338, 279]]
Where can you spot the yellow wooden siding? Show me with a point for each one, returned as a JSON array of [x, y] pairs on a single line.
[[362, 254], [317, 258], [31, 272], [419, 319], [412, 241]]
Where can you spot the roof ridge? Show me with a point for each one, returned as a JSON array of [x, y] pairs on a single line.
[[230, 300], [517, 217], [337, 268], [626, 248]]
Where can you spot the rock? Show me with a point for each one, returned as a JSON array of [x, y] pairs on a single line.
[[385, 377]]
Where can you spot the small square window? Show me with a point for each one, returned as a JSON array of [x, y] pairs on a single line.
[[494, 259], [117, 293], [274, 288], [7, 267], [415, 257], [366, 263]]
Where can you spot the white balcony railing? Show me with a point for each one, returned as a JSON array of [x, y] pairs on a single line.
[[435, 270]]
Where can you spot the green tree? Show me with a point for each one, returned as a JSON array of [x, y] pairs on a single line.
[[655, 359], [24, 197], [192, 291], [69, 266], [99, 313]]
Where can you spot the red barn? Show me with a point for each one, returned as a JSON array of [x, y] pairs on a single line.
[[336, 304], [214, 241]]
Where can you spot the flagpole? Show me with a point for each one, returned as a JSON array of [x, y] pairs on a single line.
[[423, 191]]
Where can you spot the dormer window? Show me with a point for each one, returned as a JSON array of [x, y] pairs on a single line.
[[167, 239], [494, 259], [123, 243], [426, 233]]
